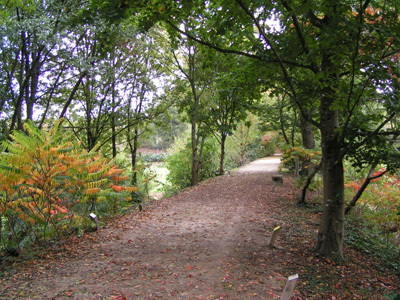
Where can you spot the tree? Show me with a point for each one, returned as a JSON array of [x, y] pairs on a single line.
[[192, 63], [34, 62], [344, 50], [235, 90]]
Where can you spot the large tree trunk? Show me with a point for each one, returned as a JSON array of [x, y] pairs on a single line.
[[331, 231], [307, 134]]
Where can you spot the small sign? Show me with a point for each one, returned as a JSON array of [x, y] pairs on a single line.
[[273, 236], [94, 218], [289, 287]]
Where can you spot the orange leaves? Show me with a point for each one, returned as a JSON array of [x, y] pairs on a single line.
[[131, 189], [114, 171], [117, 188], [119, 178], [43, 175], [91, 191]]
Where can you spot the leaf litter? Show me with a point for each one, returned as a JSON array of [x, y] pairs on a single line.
[[207, 242]]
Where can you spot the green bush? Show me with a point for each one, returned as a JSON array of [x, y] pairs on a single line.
[[178, 163], [154, 157], [367, 237], [267, 147], [373, 224]]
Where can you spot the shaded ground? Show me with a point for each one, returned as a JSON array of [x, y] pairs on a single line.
[[207, 242]]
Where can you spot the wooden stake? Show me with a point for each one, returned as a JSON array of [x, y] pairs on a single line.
[[94, 218], [277, 180], [273, 236], [289, 287]]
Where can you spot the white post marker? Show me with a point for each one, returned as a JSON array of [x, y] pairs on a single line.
[[289, 287], [273, 236], [94, 218]]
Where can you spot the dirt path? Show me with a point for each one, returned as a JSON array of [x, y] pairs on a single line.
[[208, 242]]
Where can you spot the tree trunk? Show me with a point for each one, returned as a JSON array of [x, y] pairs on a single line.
[[222, 158], [113, 129], [72, 94], [133, 146], [331, 231], [281, 120], [34, 81], [307, 184], [307, 136], [195, 162], [194, 178]]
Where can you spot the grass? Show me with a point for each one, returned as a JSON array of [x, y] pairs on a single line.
[[161, 177]]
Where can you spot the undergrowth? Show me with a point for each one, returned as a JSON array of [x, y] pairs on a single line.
[[369, 239]]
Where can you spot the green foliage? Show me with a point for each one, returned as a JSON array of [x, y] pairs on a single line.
[[154, 157], [374, 224], [369, 238], [381, 200], [292, 154], [179, 163], [49, 184]]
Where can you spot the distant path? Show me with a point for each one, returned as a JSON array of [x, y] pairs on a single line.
[[263, 165]]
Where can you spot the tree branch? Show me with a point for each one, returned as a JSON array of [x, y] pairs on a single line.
[[365, 5], [237, 52], [297, 27], [363, 187]]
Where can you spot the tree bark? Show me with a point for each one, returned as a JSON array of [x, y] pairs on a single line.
[[331, 231], [72, 94], [222, 157], [307, 135], [194, 161], [134, 151], [307, 184], [113, 126]]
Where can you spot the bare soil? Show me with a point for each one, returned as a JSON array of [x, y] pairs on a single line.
[[207, 242]]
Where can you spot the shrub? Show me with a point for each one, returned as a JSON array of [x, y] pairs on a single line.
[[292, 154], [179, 163], [154, 157], [374, 223], [49, 184]]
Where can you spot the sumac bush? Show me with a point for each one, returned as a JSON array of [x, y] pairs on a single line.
[[49, 184]]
